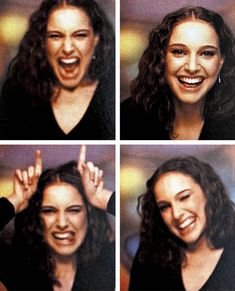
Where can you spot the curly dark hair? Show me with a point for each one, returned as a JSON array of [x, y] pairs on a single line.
[[29, 229], [30, 68], [157, 243], [150, 88]]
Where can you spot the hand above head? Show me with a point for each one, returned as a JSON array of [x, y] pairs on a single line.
[[25, 184], [93, 182]]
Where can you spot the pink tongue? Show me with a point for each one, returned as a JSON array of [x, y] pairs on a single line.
[[69, 67]]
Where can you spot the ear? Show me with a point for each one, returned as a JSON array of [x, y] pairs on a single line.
[[96, 40], [221, 62]]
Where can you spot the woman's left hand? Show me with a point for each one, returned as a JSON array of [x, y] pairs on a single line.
[[93, 181]]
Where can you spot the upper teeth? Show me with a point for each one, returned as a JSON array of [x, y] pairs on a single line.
[[191, 80], [69, 61], [64, 235], [186, 223]]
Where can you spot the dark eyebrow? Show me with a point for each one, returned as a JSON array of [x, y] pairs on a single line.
[[184, 46]]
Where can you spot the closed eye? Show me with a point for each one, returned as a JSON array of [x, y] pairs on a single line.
[[185, 197], [75, 209], [54, 35], [48, 210]]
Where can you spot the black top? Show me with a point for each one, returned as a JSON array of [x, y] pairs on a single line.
[[20, 120], [17, 274], [137, 124], [146, 276]]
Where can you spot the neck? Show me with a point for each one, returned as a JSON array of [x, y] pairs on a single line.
[[66, 95], [188, 121], [201, 245], [65, 270]]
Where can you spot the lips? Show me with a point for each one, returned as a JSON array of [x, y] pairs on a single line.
[[186, 225]]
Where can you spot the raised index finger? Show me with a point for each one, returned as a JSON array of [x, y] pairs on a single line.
[[82, 158], [38, 163]]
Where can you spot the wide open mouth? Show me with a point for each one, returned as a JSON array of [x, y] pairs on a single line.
[[69, 64]]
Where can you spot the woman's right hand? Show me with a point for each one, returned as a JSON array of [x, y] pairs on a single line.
[[25, 184]]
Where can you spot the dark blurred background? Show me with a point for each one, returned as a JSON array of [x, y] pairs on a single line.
[[138, 162], [14, 16], [138, 17]]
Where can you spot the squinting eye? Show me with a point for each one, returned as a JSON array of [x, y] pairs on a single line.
[[81, 35], [47, 210], [54, 36], [162, 208], [75, 209]]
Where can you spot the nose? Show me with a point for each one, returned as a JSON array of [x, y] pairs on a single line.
[[62, 220], [68, 45], [192, 66], [177, 211]]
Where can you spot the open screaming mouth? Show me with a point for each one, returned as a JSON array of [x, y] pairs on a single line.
[[68, 63]]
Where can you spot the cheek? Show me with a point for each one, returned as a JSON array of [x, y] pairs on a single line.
[[48, 223], [79, 222], [88, 48], [173, 65], [51, 49], [166, 217]]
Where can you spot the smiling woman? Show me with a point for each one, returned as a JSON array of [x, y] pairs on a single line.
[[187, 230], [60, 85], [184, 89]]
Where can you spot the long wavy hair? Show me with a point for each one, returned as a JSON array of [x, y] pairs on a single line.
[[150, 88], [29, 229], [30, 68], [157, 243]]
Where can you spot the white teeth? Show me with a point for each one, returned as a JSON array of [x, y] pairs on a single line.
[[191, 80], [64, 235], [69, 61], [186, 223]]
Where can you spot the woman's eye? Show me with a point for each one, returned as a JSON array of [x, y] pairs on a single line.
[[208, 54], [178, 52], [75, 209], [162, 208], [47, 210], [184, 197], [81, 35], [54, 36]]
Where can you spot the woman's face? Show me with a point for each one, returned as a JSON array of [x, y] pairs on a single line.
[[70, 45], [64, 217], [181, 202], [193, 61]]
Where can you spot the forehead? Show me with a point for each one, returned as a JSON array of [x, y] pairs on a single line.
[[172, 183], [194, 32], [61, 193], [68, 17]]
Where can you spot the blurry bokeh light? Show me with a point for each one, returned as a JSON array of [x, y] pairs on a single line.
[[12, 28], [133, 42], [6, 186], [131, 179]]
